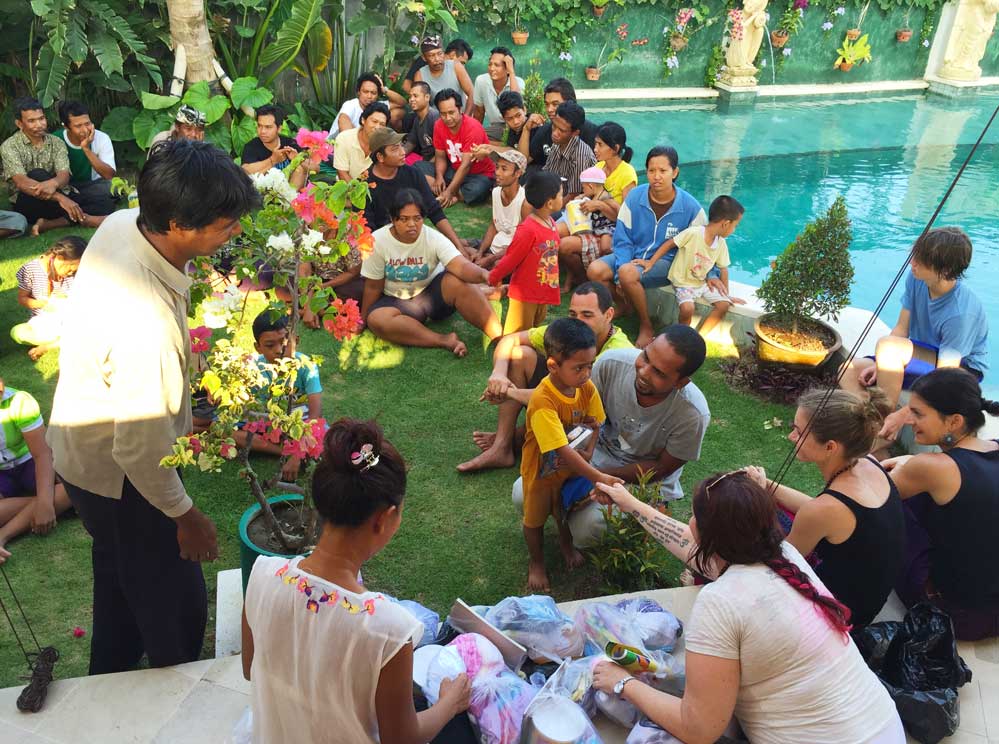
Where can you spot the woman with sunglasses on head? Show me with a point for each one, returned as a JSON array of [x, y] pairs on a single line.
[[952, 504], [766, 642], [855, 526]]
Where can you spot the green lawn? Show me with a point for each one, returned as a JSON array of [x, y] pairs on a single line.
[[460, 534]]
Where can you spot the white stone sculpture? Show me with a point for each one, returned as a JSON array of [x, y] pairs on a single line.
[[740, 71], [973, 26]]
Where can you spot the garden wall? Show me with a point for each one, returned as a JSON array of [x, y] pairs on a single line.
[[812, 50]]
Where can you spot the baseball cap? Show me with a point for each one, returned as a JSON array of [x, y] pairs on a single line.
[[592, 175], [514, 156], [384, 137], [191, 116]]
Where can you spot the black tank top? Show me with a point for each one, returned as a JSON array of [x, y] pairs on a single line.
[[861, 571], [964, 534]]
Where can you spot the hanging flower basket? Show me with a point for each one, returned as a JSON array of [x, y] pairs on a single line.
[[779, 38], [853, 34], [903, 35], [592, 73], [520, 37], [678, 42]]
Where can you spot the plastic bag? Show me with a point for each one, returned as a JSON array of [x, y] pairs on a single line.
[[498, 703], [917, 661], [659, 627], [612, 631], [430, 619], [242, 732], [617, 709], [647, 732], [479, 654], [552, 717], [574, 680], [538, 624], [446, 665]]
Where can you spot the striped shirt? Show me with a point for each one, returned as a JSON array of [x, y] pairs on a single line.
[[33, 277], [570, 162]]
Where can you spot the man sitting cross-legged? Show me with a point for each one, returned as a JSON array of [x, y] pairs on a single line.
[[414, 274], [518, 367]]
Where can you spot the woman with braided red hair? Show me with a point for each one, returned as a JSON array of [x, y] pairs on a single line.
[[766, 641]]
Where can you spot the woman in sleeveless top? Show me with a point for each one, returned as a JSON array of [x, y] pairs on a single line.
[[856, 525], [952, 507]]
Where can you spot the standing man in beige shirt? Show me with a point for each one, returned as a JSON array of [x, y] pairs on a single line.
[[123, 397]]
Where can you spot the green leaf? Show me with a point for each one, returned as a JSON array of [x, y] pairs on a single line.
[[213, 107], [210, 382], [218, 134], [76, 39], [118, 123], [364, 21], [319, 46], [107, 52], [242, 130], [246, 93], [147, 124], [155, 102], [52, 71], [292, 34], [244, 31]]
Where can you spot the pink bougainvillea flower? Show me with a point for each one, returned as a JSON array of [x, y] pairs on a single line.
[[227, 450], [346, 322], [317, 143], [79, 632], [800, 4], [256, 427], [195, 445], [305, 204], [199, 339], [622, 31]]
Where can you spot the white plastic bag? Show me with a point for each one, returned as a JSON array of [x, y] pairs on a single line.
[[647, 732], [606, 627], [242, 732], [660, 629], [537, 623], [446, 665], [618, 710], [498, 703]]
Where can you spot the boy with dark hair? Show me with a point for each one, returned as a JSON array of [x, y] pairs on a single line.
[[531, 260], [510, 207], [418, 126], [699, 249], [459, 50], [565, 399], [270, 339], [569, 156], [514, 112], [460, 173], [498, 78], [91, 159], [942, 323], [271, 149]]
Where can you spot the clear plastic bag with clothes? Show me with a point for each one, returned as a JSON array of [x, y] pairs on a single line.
[[574, 680], [617, 709], [497, 705], [479, 654], [447, 664], [537, 623], [610, 630], [430, 619], [553, 717], [660, 628], [647, 732]]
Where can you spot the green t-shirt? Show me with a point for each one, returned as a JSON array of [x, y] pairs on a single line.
[[616, 340], [19, 413], [79, 165]]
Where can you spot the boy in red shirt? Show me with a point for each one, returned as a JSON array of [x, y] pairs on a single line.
[[532, 257], [459, 174]]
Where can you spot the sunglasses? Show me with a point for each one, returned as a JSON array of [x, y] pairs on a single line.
[[719, 479]]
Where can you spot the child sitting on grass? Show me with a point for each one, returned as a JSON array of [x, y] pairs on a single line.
[[532, 257], [30, 495], [327, 659], [270, 338], [510, 208], [581, 248], [566, 398], [699, 249], [43, 286]]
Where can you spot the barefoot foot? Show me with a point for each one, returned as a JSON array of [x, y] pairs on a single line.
[[4, 554], [494, 457], [483, 439], [38, 228], [645, 336], [537, 579], [572, 557], [455, 345], [37, 352]]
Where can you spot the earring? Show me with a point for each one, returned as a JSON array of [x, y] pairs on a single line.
[[948, 440]]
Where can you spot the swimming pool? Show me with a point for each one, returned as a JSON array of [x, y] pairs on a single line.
[[891, 157]]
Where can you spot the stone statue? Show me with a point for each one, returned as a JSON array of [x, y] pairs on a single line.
[[973, 25], [740, 71]]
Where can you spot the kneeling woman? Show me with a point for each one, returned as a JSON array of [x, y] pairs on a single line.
[[856, 525], [952, 512], [328, 659], [765, 642]]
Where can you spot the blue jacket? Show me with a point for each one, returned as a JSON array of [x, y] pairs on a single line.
[[638, 234]]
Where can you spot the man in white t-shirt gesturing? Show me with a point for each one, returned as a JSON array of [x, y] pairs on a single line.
[[415, 274], [369, 89]]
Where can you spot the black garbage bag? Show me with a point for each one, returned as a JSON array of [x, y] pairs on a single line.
[[918, 663]]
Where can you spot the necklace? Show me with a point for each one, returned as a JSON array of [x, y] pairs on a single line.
[[840, 472]]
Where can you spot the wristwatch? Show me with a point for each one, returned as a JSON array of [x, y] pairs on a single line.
[[619, 687]]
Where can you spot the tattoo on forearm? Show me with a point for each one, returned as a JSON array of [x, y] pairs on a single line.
[[667, 531]]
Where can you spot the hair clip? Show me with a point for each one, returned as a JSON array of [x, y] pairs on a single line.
[[366, 455]]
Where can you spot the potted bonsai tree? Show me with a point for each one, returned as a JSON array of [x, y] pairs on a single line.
[[809, 280], [319, 224], [616, 54], [853, 53]]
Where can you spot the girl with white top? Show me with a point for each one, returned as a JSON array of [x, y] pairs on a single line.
[[329, 660], [766, 641]]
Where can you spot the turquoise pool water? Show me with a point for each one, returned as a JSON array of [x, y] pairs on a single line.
[[892, 158]]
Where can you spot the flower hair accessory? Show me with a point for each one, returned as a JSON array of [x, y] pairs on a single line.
[[365, 456]]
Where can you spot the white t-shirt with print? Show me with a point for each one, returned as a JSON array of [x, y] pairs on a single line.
[[801, 680], [407, 268], [318, 650], [505, 218]]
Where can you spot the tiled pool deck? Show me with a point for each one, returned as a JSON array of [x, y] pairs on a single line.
[[198, 703]]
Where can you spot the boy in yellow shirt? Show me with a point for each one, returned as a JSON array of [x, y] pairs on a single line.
[[565, 399], [700, 249]]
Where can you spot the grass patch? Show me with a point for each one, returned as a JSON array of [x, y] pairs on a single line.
[[460, 534]]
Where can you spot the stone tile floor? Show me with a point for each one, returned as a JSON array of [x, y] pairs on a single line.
[[199, 703]]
